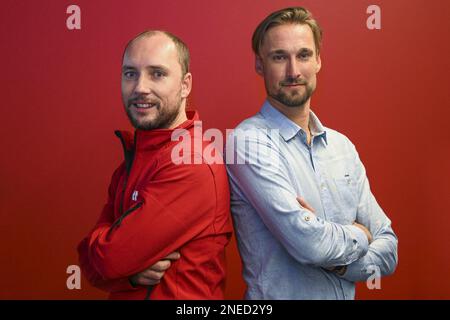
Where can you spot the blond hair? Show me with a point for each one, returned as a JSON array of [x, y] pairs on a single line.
[[292, 15]]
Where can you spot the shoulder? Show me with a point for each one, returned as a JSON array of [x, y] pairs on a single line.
[[255, 129], [256, 122], [338, 144], [338, 140]]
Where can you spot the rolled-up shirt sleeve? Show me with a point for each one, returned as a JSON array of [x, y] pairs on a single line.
[[260, 173]]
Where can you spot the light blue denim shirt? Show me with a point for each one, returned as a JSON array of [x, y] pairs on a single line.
[[284, 248]]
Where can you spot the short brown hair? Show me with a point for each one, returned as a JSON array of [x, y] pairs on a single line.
[[292, 15], [182, 49]]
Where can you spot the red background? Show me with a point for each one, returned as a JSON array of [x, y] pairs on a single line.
[[386, 89]]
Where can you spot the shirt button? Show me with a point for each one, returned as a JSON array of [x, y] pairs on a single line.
[[307, 218]]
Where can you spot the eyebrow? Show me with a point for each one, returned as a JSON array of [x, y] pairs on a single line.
[[278, 51], [281, 51], [153, 67]]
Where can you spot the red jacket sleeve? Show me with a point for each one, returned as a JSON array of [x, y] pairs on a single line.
[[105, 221], [178, 204]]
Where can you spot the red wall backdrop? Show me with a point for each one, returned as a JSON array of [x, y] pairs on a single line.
[[60, 102]]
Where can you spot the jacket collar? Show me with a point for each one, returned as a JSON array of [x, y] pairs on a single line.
[[152, 139]]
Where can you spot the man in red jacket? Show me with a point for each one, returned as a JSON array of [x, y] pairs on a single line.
[[163, 231]]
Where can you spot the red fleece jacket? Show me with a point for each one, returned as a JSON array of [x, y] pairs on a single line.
[[156, 207]]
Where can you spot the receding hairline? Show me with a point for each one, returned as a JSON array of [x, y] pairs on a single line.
[[180, 47], [147, 35]]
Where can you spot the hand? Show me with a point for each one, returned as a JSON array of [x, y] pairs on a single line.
[[366, 231], [154, 274], [305, 205], [339, 270]]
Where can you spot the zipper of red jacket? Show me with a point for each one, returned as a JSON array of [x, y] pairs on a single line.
[[124, 186], [128, 169]]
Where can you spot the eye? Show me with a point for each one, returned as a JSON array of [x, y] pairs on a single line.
[[278, 57], [129, 74], [158, 74], [305, 55]]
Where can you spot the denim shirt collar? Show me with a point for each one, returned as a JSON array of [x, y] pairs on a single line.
[[289, 129]]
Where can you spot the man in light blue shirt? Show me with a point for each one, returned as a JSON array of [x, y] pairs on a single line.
[[307, 224]]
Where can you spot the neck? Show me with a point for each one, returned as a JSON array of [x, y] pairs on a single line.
[[299, 115]]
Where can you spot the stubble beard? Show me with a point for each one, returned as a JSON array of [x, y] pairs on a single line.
[[294, 100], [166, 116]]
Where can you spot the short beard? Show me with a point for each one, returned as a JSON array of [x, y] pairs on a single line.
[[166, 118], [294, 101]]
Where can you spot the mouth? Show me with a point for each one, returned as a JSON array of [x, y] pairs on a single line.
[[139, 105], [293, 84]]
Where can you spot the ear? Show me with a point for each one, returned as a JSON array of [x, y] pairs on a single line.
[[259, 67], [186, 85], [319, 63]]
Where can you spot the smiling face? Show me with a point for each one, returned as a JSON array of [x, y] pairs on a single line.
[[154, 90], [288, 62]]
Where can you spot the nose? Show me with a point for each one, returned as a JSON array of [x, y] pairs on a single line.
[[142, 85], [293, 69]]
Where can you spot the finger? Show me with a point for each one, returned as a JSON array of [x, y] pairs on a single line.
[[173, 256], [366, 231], [162, 265], [143, 281], [153, 275], [305, 204]]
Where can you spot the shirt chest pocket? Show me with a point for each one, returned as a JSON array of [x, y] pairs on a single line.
[[346, 196]]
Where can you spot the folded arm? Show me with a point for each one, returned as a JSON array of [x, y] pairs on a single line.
[[168, 214], [264, 183]]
